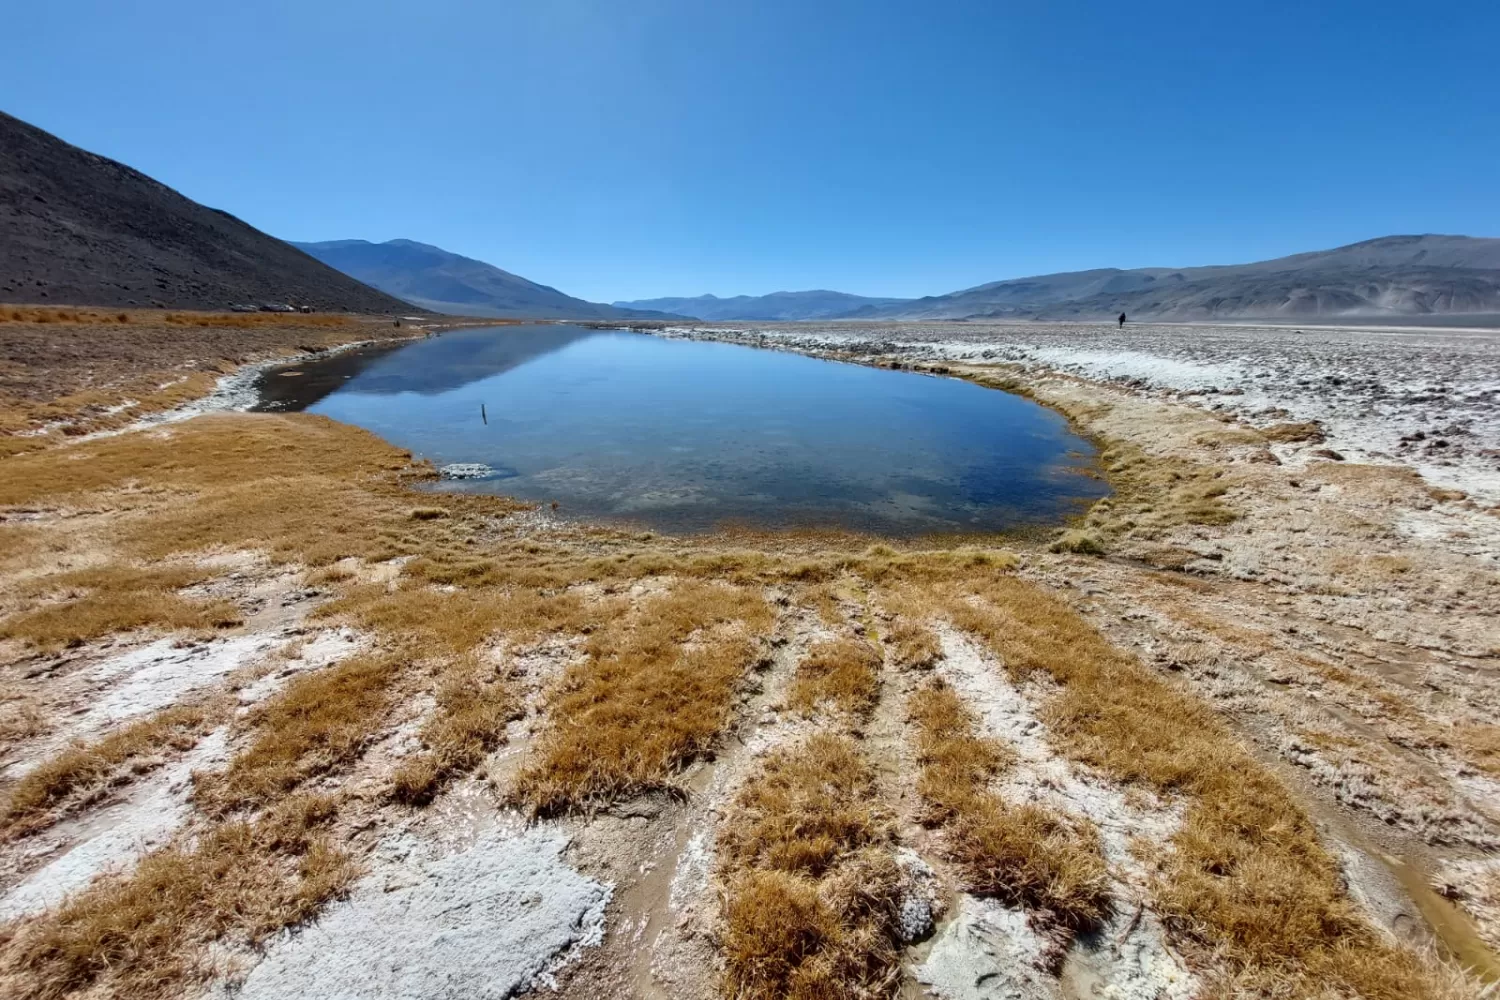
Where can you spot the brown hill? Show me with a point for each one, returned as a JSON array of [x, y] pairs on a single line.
[[82, 229]]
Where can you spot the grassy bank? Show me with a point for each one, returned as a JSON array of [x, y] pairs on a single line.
[[184, 530]]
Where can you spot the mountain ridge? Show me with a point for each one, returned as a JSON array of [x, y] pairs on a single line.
[[811, 304], [79, 228], [447, 282], [1388, 276]]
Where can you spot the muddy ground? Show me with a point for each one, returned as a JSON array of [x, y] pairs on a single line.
[[1329, 589]]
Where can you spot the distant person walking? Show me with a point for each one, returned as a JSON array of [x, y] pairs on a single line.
[[1122, 321]]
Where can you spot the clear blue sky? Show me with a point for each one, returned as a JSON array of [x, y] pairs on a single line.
[[634, 148]]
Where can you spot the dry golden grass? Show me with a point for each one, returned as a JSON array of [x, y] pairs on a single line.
[[813, 892], [141, 935], [655, 692], [911, 645], [1025, 855], [1307, 430], [474, 703], [1248, 880], [458, 621], [1079, 541], [72, 624], [113, 598], [67, 372], [321, 722], [249, 321], [807, 808], [106, 317], [1480, 744], [843, 671], [77, 774]]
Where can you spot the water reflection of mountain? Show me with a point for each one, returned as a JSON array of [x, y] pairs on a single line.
[[429, 367]]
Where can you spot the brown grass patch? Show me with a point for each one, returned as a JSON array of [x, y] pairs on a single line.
[[1307, 430], [72, 624], [473, 705], [231, 321], [77, 774], [654, 693], [114, 598], [458, 621], [912, 645], [843, 671], [142, 935], [813, 892], [1025, 855], [1248, 881], [1480, 745], [321, 722]]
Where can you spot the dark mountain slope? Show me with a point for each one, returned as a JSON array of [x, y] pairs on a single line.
[[446, 282], [82, 229]]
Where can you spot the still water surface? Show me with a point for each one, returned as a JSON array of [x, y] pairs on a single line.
[[687, 436]]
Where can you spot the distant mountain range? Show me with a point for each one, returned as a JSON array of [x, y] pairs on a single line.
[[1390, 276], [445, 282], [776, 306], [80, 229]]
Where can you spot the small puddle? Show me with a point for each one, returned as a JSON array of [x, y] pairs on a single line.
[[1453, 930], [1446, 925]]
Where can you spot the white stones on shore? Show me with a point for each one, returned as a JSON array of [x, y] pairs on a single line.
[[466, 470]]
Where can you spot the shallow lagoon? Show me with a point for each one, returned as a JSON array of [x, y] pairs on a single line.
[[688, 436]]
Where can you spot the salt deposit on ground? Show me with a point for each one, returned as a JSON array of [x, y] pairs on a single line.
[[160, 673], [1128, 957], [320, 650], [482, 924], [114, 837], [239, 390], [988, 952]]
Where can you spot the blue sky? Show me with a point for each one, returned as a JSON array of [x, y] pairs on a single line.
[[620, 149]]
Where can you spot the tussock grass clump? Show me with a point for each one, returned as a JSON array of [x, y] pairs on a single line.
[[457, 622], [807, 808], [844, 671], [912, 645], [1156, 492], [80, 771], [114, 598], [1308, 430], [141, 935], [321, 722], [1079, 541], [1024, 855], [653, 694], [474, 703], [96, 614], [813, 892], [1248, 881]]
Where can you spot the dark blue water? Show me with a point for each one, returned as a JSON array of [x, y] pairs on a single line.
[[687, 436]]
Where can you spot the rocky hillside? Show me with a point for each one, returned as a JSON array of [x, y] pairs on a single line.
[[81, 229], [1390, 276]]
